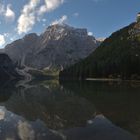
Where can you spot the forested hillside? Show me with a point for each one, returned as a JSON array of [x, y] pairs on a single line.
[[117, 57]]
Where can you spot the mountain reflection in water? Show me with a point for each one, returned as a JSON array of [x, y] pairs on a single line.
[[68, 111]]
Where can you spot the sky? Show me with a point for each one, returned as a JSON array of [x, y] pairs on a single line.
[[100, 17]]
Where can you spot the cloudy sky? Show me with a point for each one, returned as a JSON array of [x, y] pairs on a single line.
[[100, 17]]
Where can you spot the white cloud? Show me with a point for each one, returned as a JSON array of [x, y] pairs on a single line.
[[62, 20], [2, 40], [9, 13], [6, 34], [32, 12], [42, 10], [90, 33], [27, 18], [11, 39], [2, 9], [44, 20], [76, 14], [53, 4], [49, 6]]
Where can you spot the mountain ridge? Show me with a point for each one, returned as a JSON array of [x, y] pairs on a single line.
[[57, 47], [117, 57]]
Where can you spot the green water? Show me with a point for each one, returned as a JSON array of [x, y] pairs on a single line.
[[88, 110]]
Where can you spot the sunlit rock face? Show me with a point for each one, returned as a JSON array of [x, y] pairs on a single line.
[[58, 47]]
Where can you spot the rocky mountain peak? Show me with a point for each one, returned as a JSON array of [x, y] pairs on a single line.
[[58, 47], [59, 26], [31, 36], [58, 31]]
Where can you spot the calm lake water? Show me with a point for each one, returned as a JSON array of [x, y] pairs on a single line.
[[49, 110]]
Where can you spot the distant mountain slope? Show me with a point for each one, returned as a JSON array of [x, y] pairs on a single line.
[[117, 57], [7, 68], [58, 47]]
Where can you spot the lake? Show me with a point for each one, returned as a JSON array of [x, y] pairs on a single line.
[[89, 110]]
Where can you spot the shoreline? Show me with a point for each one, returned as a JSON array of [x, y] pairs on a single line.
[[110, 80], [102, 79]]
